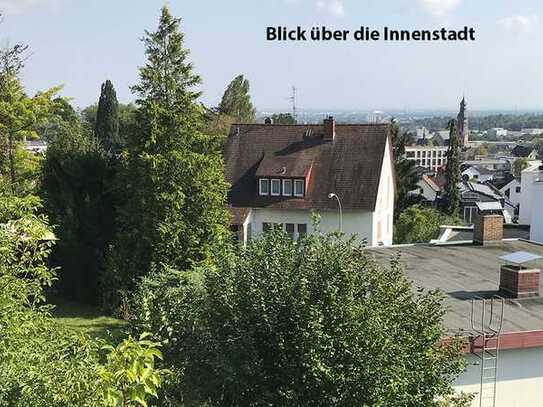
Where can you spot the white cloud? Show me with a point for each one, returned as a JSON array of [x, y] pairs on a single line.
[[440, 7], [333, 7], [20, 6], [519, 23]]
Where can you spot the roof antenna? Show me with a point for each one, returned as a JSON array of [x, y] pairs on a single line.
[[293, 100]]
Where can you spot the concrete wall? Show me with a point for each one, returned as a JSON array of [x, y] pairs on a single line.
[[527, 180], [520, 378], [536, 224]]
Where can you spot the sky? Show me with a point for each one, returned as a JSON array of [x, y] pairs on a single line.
[[81, 43]]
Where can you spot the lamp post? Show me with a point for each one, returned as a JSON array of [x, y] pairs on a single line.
[[330, 196]]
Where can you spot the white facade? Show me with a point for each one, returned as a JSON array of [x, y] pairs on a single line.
[[520, 378], [512, 191], [472, 173], [376, 227], [497, 132], [527, 183], [536, 225], [430, 158]]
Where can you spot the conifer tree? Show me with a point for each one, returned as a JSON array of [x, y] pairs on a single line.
[[107, 117], [236, 101], [452, 173], [175, 214]]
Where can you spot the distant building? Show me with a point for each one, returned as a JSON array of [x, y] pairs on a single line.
[[478, 173], [497, 132], [36, 146], [428, 189], [531, 132], [430, 158], [473, 194], [512, 191], [528, 152], [441, 138]]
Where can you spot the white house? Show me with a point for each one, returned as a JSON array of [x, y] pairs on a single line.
[[512, 191], [527, 183], [428, 189], [536, 224], [281, 174]]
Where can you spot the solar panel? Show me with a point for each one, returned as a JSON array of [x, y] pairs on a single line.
[[519, 257]]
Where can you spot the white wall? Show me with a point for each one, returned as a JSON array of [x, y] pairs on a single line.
[[354, 222], [527, 179], [427, 192], [514, 196], [536, 225], [520, 378], [383, 217]]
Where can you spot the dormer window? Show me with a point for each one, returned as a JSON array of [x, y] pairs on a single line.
[[287, 187], [276, 187], [299, 188], [264, 186]]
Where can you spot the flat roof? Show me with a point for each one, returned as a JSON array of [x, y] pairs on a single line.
[[464, 272]]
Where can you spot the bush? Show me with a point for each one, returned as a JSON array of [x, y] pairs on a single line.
[[314, 323]]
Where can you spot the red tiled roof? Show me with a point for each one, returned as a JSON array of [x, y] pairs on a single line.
[[349, 166]]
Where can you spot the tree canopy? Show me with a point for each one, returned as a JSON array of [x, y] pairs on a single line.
[[451, 200], [236, 101], [106, 127]]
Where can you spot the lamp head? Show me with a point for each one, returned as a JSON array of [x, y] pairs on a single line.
[[331, 195]]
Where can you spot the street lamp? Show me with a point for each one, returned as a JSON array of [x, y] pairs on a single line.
[[330, 196]]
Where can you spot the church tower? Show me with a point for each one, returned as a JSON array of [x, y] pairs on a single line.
[[462, 120]]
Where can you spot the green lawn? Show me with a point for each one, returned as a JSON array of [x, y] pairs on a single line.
[[88, 319]]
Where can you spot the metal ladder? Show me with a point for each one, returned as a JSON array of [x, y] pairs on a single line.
[[485, 345]]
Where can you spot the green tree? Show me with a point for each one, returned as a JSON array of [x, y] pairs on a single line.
[[173, 173], [76, 186], [520, 165], [107, 118], [290, 323], [283, 118], [236, 101], [19, 116], [418, 224], [451, 197], [407, 176], [127, 118]]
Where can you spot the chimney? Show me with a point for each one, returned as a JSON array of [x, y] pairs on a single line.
[[329, 128], [516, 282], [488, 226]]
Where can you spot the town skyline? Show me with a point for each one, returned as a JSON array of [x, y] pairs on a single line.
[[80, 45]]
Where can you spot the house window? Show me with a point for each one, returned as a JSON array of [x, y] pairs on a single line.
[[276, 187], [299, 187], [517, 190], [289, 228], [266, 227], [264, 186], [287, 187], [302, 229], [469, 214]]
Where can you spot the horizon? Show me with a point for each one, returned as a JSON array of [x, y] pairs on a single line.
[[81, 45]]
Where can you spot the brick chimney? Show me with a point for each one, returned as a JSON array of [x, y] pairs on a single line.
[[516, 282], [487, 228], [329, 128]]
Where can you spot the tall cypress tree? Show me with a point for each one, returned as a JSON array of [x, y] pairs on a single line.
[[236, 101], [176, 215], [452, 173], [107, 117]]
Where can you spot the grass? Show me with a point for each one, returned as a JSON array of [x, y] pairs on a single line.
[[88, 319]]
